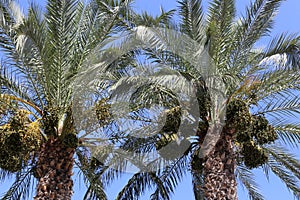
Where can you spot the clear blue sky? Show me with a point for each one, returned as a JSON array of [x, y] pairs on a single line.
[[288, 19]]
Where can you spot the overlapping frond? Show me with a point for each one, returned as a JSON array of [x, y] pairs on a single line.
[[19, 56], [138, 184], [220, 20], [249, 29], [92, 177], [283, 52], [170, 176]]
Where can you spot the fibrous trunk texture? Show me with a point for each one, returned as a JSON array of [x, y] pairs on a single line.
[[219, 167], [54, 171]]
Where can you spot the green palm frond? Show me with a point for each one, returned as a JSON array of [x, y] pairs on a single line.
[[283, 51], [220, 20], [192, 19], [92, 176], [170, 176], [120, 12], [22, 186], [11, 16], [11, 83], [246, 178], [258, 22], [61, 25], [289, 133], [99, 19], [138, 184], [277, 83], [222, 12], [286, 167], [34, 28], [18, 62], [286, 158], [279, 106], [162, 20]]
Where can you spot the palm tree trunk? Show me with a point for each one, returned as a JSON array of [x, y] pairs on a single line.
[[54, 171], [219, 167]]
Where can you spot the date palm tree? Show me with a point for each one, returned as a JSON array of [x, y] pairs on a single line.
[[262, 103], [42, 52]]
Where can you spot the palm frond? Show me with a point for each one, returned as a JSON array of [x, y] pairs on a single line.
[[220, 20], [118, 12], [95, 192], [20, 57], [5, 175], [258, 22], [277, 83], [61, 23], [277, 106], [11, 16], [22, 186], [280, 166], [283, 52], [11, 84], [246, 178], [32, 32], [285, 158], [145, 19], [192, 19], [92, 177], [170, 176], [95, 25], [138, 184], [289, 133], [34, 28]]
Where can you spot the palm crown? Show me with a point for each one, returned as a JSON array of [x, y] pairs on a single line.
[[42, 52], [46, 51], [262, 101]]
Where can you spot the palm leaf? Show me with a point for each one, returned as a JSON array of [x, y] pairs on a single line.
[[245, 177], [170, 176], [22, 186], [289, 133], [286, 159], [258, 22], [137, 185], [283, 51], [280, 165], [220, 20], [92, 177], [192, 19]]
